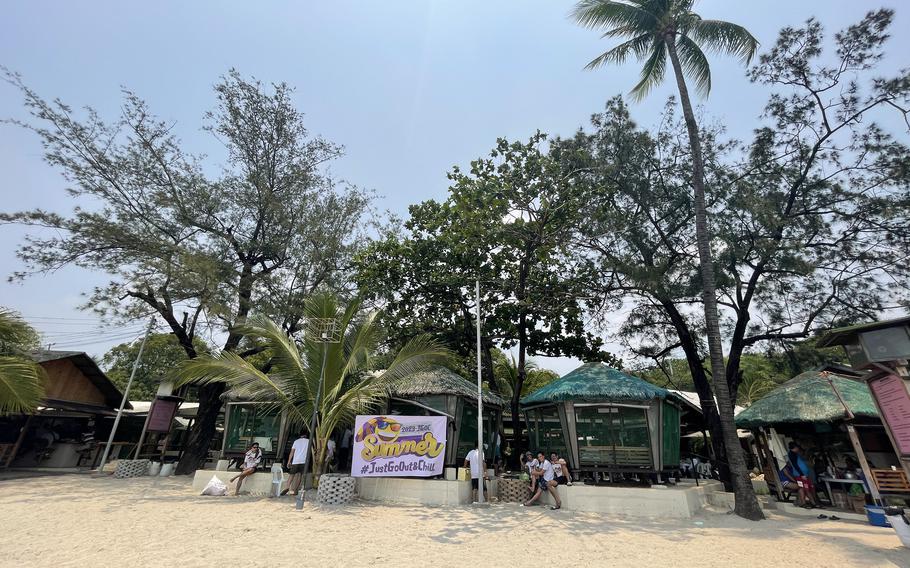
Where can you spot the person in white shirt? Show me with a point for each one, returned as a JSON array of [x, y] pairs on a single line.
[[561, 469], [250, 462], [531, 464], [545, 482], [478, 472], [296, 461]]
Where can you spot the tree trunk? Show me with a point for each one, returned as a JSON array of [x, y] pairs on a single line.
[[746, 503], [200, 439], [703, 388], [210, 403]]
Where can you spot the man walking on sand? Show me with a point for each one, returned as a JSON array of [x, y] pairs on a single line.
[[545, 482], [478, 472], [296, 460]]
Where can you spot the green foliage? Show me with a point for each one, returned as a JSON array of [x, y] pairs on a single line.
[[21, 379], [760, 372], [505, 370], [292, 381], [162, 354]]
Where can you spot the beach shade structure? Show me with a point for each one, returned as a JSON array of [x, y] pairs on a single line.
[[833, 414], [813, 397], [441, 391], [602, 419]]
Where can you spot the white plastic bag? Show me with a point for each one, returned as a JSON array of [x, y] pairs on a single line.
[[215, 487]]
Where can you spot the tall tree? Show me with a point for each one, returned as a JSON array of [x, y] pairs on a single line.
[[21, 379], [508, 222], [162, 353], [201, 252], [658, 30], [810, 218]]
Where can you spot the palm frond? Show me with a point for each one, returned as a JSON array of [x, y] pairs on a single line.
[[15, 334], [242, 376], [21, 385], [723, 37], [417, 354], [615, 14], [653, 71], [637, 46], [694, 64]]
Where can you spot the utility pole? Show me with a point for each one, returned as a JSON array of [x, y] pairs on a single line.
[[126, 392]]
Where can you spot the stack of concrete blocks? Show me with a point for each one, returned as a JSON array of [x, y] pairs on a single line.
[[131, 468], [513, 490], [335, 489]]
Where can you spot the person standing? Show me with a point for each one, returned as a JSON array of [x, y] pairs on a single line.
[[478, 472], [344, 450], [545, 482], [296, 461]]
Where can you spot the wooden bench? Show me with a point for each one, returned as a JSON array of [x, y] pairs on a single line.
[[625, 456], [891, 482]]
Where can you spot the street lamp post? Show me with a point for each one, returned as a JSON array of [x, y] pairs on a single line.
[[326, 330]]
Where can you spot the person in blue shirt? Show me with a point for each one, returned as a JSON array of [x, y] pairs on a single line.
[[797, 476]]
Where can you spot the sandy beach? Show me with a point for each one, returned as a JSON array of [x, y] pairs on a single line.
[[79, 520]]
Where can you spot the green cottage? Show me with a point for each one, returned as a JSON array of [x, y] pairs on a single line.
[[441, 391], [604, 420]]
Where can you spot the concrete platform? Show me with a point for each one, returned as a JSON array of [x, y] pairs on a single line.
[[256, 484], [415, 491], [681, 501]]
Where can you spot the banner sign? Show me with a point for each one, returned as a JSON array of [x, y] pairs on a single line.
[[894, 401], [162, 412], [399, 446]]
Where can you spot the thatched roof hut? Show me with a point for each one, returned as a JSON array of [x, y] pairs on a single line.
[[810, 397], [442, 391], [439, 380], [605, 420], [596, 382]]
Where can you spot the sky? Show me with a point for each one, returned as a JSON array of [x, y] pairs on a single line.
[[409, 87]]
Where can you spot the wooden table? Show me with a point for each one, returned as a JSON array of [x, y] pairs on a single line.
[[829, 480]]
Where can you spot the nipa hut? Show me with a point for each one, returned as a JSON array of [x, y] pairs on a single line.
[[832, 416], [605, 420], [444, 392]]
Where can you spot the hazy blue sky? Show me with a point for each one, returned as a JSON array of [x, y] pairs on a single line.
[[408, 87]]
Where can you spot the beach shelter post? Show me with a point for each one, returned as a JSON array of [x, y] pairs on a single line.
[[480, 456], [861, 456], [126, 392]]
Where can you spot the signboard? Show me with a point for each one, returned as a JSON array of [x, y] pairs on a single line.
[[894, 402], [399, 446], [161, 414]]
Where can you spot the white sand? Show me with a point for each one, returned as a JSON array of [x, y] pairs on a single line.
[[78, 520]]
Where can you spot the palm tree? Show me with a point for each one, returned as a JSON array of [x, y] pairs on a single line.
[[350, 388], [655, 30], [21, 379], [505, 371]]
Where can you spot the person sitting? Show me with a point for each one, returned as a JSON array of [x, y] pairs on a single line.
[[560, 469], [545, 482], [804, 474], [250, 462], [530, 464]]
